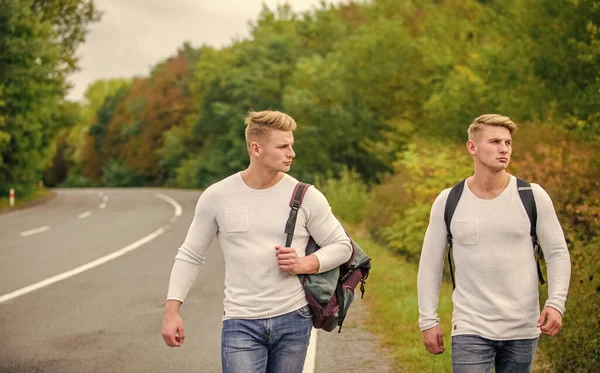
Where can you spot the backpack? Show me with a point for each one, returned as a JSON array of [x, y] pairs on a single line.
[[526, 194], [329, 294]]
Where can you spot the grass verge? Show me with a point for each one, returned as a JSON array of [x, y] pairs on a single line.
[[391, 297], [38, 195]]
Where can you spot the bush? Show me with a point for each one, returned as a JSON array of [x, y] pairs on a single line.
[[347, 195], [576, 349], [398, 210], [75, 180], [567, 169], [118, 174]]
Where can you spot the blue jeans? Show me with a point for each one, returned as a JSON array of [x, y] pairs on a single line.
[[475, 354], [272, 345]]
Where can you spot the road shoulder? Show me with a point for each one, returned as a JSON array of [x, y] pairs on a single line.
[[355, 347]]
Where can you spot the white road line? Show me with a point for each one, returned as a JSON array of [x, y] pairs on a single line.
[[92, 264], [311, 354], [105, 199], [34, 231], [83, 268], [170, 200], [102, 206], [84, 215]]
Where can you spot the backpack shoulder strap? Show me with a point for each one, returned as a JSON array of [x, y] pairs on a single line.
[[451, 203], [295, 204], [526, 194]]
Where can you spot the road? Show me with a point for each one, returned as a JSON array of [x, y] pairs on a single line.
[[83, 279]]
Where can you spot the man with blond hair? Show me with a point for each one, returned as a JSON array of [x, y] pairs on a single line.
[[266, 319], [496, 321]]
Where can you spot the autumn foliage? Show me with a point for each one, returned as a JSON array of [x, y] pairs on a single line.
[[130, 130]]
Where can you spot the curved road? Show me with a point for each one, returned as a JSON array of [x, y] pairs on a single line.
[[108, 318], [83, 279]]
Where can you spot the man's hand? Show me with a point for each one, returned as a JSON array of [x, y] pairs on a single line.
[[433, 340], [172, 329], [550, 321], [289, 261]]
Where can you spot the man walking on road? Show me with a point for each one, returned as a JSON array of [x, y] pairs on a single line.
[[496, 320], [266, 319]]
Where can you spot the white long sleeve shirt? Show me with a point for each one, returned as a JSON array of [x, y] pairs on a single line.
[[248, 224], [496, 295]]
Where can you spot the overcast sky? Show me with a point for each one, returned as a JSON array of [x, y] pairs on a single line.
[[133, 35]]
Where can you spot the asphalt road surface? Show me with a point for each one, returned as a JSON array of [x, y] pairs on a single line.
[[83, 280]]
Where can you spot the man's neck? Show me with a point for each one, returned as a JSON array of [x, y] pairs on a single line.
[[487, 184], [258, 178]]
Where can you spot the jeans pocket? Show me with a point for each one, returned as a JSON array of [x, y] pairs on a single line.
[[305, 312]]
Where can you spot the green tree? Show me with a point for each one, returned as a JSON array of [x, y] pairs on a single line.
[[30, 93], [566, 44], [96, 93], [65, 166], [95, 151], [129, 127], [37, 44], [62, 157], [70, 20], [360, 92], [398, 212], [251, 74]]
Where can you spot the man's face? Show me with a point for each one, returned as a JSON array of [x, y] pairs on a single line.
[[492, 148], [276, 151]]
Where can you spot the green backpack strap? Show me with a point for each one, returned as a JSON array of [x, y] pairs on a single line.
[[526, 194], [451, 203]]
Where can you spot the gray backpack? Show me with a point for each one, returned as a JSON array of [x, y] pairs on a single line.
[[331, 293]]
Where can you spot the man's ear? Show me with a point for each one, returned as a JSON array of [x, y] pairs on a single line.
[[471, 147], [255, 148]]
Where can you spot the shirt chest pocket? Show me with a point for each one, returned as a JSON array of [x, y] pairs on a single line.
[[235, 220], [466, 232]]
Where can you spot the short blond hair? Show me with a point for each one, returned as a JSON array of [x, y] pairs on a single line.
[[260, 123], [495, 120]]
